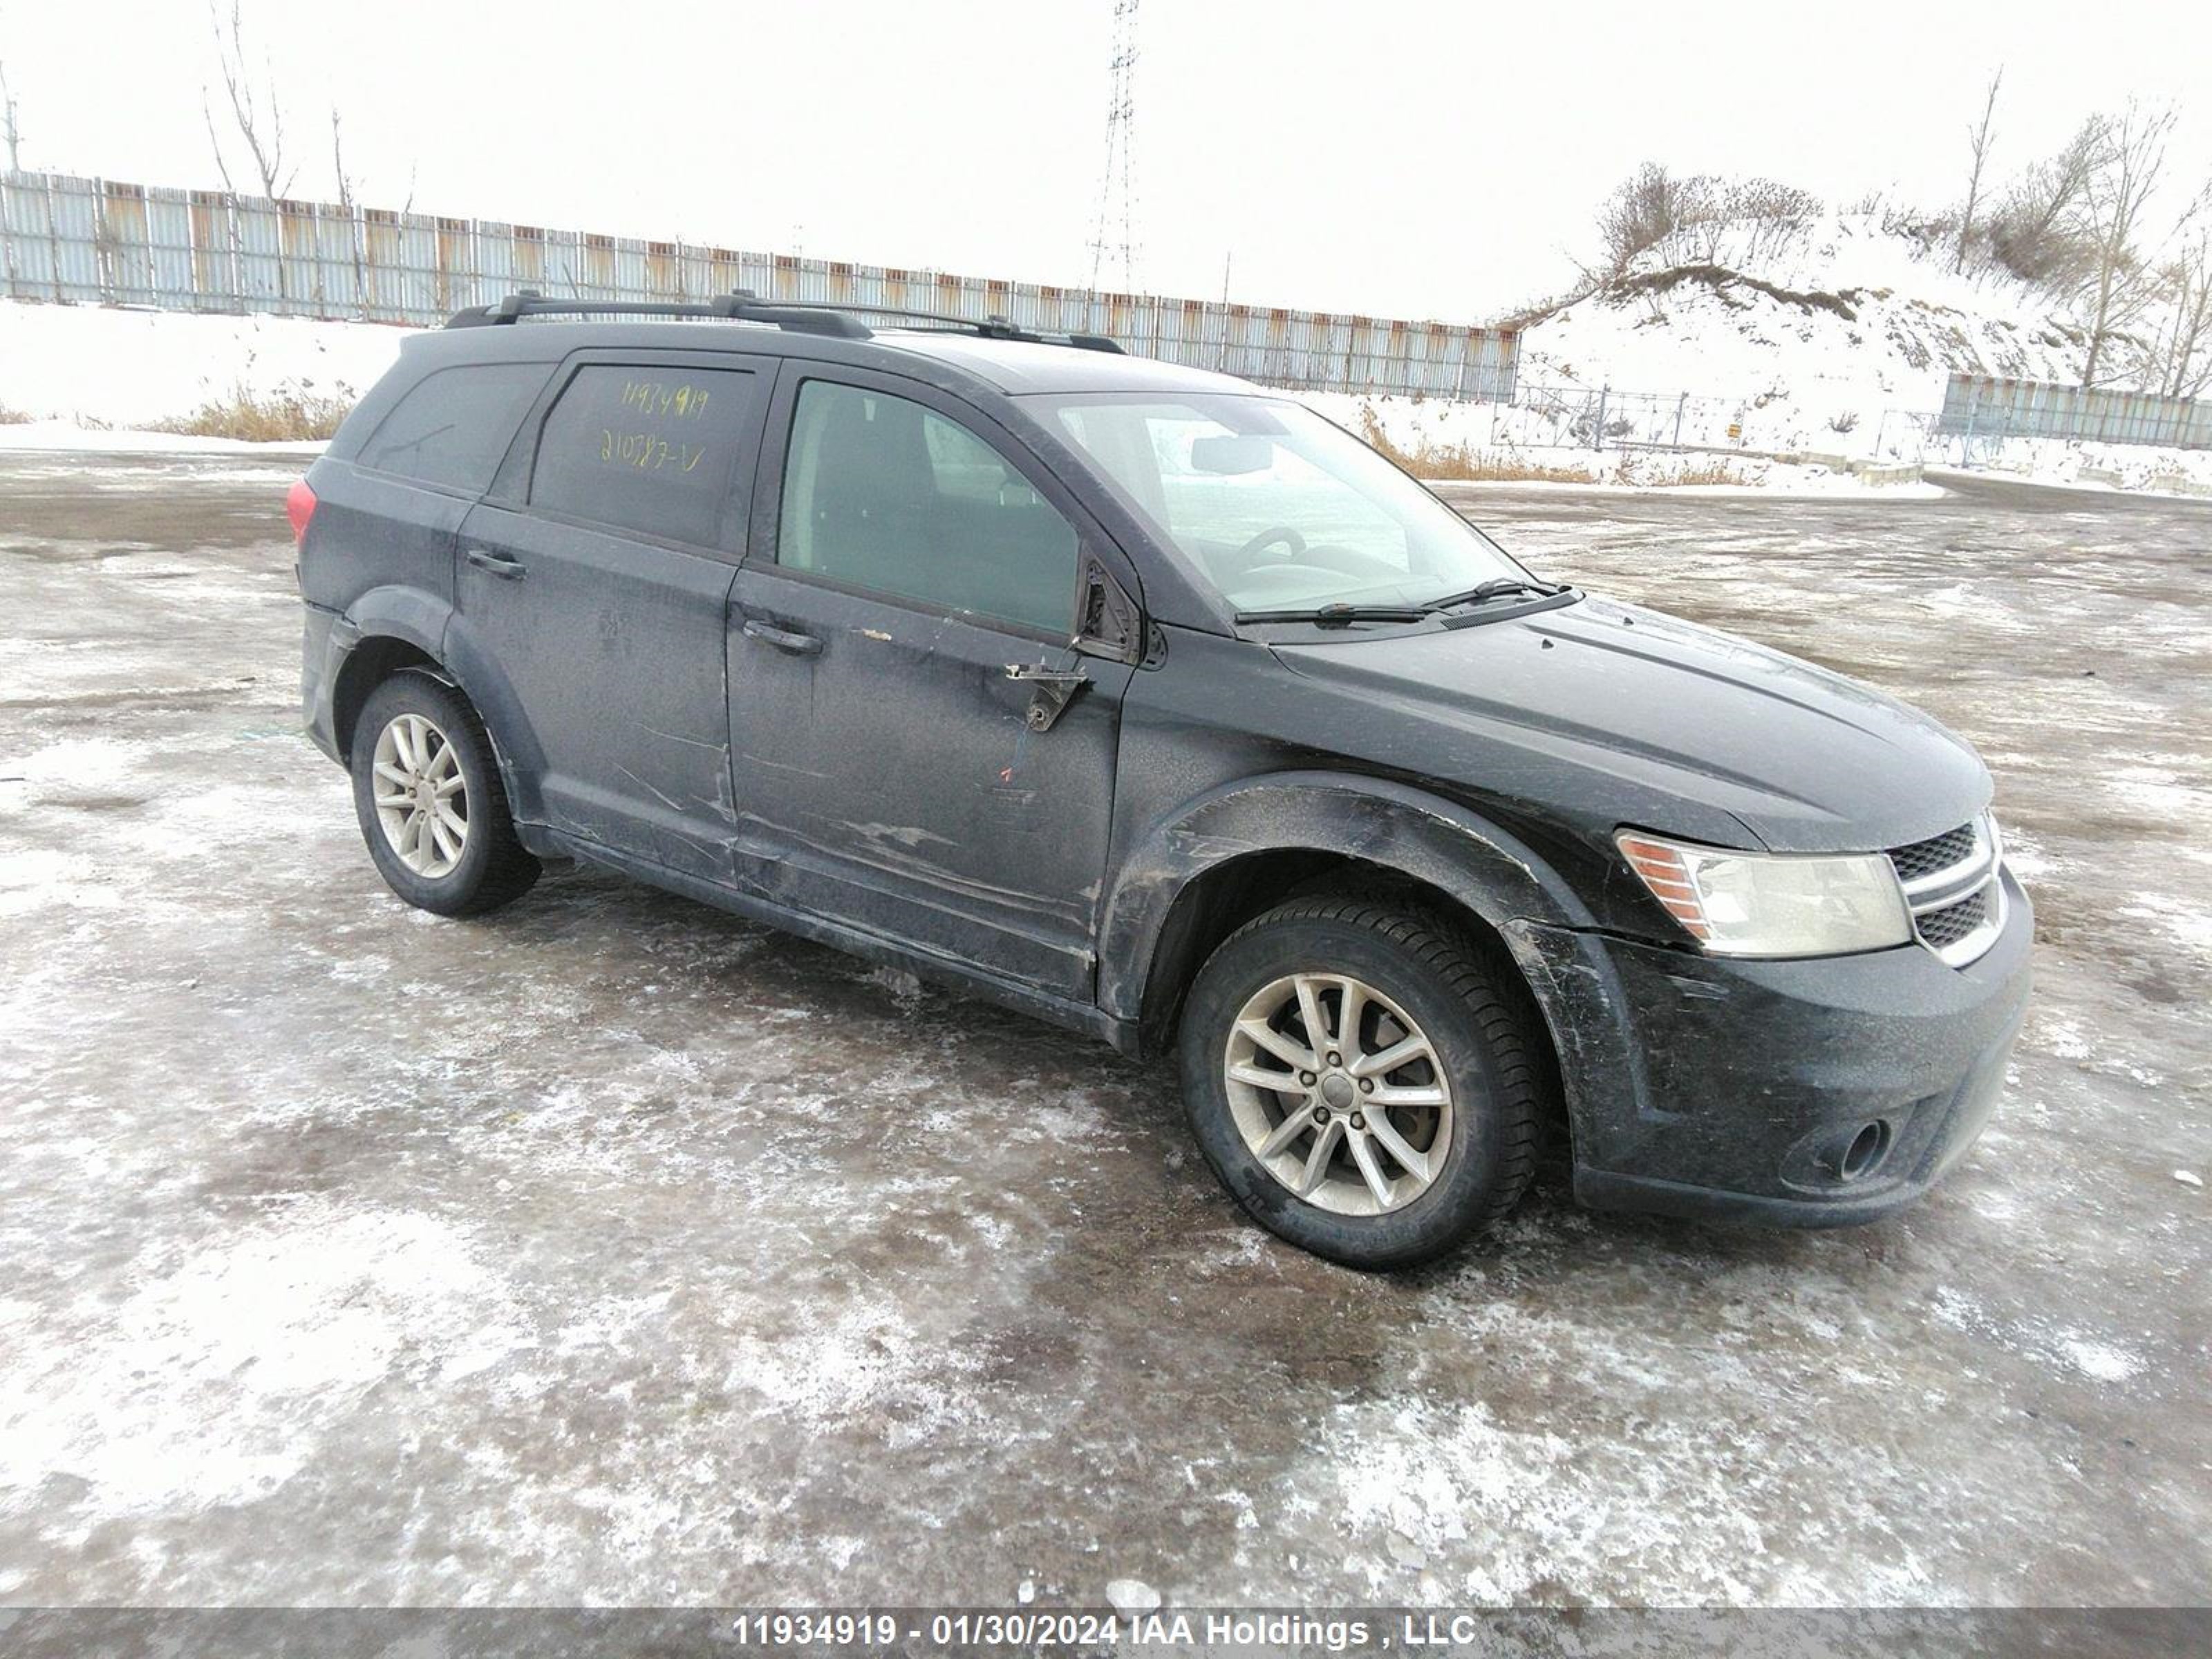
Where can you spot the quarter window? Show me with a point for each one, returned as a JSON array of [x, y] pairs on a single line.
[[650, 449], [454, 427], [882, 494]]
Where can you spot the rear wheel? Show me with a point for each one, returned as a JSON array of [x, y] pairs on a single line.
[[1359, 1080], [426, 788]]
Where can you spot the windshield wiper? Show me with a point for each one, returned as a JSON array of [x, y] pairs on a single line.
[[1496, 588], [1337, 616]]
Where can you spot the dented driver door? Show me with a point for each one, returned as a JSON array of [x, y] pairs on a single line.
[[887, 649]]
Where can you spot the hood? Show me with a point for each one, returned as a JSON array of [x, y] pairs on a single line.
[[1617, 714]]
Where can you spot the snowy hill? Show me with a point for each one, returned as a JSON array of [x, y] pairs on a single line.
[[1817, 330], [1830, 337]]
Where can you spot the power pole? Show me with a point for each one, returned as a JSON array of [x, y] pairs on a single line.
[[1117, 183]]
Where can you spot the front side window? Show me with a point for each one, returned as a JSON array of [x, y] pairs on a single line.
[[882, 494], [650, 449], [452, 428], [1276, 507]]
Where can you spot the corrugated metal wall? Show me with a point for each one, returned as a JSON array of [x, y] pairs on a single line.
[[1979, 405], [91, 240]]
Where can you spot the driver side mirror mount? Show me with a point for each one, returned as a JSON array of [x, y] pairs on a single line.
[[1108, 623]]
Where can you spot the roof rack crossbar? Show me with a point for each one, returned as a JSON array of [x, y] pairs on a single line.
[[828, 317]]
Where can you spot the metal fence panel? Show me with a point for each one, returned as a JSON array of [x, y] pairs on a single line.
[[96, 240], [73, 211], [1981, 406]]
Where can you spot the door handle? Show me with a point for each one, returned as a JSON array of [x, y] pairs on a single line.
[[783, 639], [497, 563]]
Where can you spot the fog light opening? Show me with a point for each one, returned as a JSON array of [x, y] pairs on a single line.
[[1865, 1153]]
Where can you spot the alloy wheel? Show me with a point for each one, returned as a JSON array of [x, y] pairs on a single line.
[[421, 799], [1339, 1093]]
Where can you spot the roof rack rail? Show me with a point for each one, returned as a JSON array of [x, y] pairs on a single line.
[[825, 317], [740, 307], [994, 327]]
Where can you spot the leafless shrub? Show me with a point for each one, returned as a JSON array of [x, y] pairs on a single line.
[[13, 417], [1648, 207], [2034, 233], [1846, 422], [1772, 214], [1691, 218]]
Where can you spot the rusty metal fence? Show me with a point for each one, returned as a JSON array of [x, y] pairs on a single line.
[[100, 242], [1979, 408]]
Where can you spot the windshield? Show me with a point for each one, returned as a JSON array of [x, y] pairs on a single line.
[[1277, 508]]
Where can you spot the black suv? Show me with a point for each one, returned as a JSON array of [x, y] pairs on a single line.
[[1149, 702]]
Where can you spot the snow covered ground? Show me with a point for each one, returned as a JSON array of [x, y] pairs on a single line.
[[108, 365], [613, 1250]]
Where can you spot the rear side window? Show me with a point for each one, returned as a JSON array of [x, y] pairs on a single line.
[[647, 449], [453, 428], [882, 494]]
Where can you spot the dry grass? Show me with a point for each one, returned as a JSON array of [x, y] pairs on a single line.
[[1635, 470], [13, 417], [281, 419], [1464, 463], [1708, 473]]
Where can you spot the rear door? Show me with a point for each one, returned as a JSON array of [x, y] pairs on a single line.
[[597, 578], [920, 747]]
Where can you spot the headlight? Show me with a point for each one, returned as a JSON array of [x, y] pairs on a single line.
[[1758, 904]]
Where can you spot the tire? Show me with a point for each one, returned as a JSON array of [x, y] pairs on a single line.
[[1419, 982], [482, 868]]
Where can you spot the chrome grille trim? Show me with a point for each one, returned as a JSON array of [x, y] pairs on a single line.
[[1976, 876]]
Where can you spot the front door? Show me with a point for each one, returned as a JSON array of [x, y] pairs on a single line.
[[917, 748], [598, 580]]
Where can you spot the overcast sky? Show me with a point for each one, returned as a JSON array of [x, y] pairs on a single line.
[[1387, 156]]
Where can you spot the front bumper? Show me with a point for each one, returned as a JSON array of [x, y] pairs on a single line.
[[1738, 1090]]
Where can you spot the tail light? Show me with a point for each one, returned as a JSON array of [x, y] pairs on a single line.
[[299, 508]]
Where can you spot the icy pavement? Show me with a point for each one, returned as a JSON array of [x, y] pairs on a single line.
[[611, 1249]]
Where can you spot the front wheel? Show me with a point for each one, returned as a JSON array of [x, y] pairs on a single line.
[[1360, 1081], [426, 788]]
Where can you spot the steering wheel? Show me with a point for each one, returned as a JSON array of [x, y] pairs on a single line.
[[1294, 544]]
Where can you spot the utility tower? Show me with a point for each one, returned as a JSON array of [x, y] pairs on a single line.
[[1114, 241]]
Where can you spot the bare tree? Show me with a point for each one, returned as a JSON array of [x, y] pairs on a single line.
[[2188, 277], [254, 106], [9, 130], [346, 205], [2111, 207], [1979, 139], [338, 160]]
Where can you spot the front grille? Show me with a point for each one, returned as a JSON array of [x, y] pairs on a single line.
[[1947, 926], [1952, 886], [1925, 858]]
